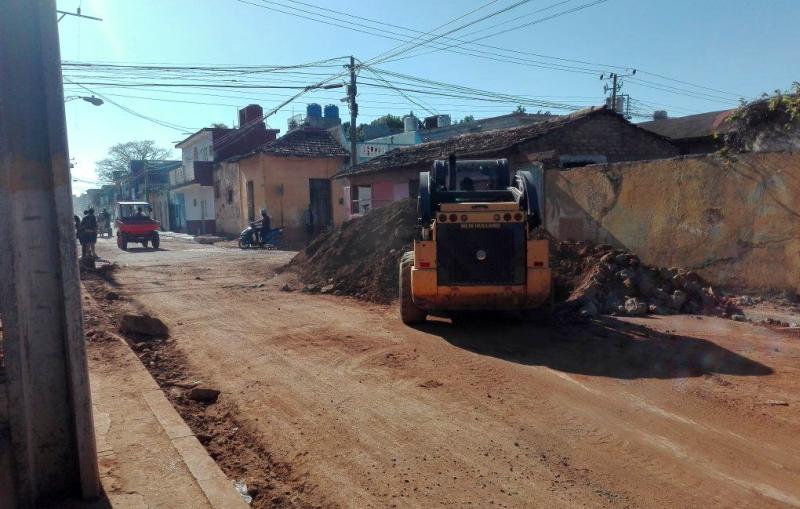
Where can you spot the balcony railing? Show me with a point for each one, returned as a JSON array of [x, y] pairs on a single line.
[[195, 172]]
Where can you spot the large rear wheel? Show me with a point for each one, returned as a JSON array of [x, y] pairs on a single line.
[[122, 242], [156, 240], [409, 312]]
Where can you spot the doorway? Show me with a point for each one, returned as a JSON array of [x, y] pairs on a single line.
[[319, 191], [251, 206]]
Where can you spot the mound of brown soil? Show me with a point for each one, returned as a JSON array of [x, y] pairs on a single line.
[[361, 257]]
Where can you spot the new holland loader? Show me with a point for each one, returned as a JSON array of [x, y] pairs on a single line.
[[476, 247]]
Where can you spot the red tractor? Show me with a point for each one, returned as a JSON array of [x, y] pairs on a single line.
[[134, 224]]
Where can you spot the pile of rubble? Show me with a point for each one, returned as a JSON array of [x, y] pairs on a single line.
[[593, 280], [361, 257]]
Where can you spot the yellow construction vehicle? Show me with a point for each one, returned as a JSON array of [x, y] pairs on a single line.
[[476, 248]]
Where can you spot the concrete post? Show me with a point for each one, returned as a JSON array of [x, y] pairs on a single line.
[[49, 404]]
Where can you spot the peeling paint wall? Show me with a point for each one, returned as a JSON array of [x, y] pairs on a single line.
[[736, 220]]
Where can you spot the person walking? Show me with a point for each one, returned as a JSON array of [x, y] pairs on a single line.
[[89, 232]]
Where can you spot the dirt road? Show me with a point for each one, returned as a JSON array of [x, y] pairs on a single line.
[[362, 411]]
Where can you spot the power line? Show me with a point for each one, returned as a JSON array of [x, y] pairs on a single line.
[[507, 30], [399, 49], [517, 61], [132, 112]]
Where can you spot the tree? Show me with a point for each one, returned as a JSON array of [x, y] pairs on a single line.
[[467, 119], [219, 125], [520, 109], [389, 120], [117, 164]]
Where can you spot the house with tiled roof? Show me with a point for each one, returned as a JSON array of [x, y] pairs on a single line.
[[290, 177], [702, 133], [191, 195], [595, 135]]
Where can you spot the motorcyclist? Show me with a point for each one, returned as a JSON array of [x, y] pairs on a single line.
[[266, 226]]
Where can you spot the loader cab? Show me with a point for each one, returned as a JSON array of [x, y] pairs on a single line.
[[477, 248]]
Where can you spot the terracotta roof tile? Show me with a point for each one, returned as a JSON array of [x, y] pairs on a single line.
[[305, 142], [468, 145]]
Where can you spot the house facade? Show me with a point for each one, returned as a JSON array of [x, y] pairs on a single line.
[[150, 181], [192, 192], [286, 177], [191, 183], [597, 135]]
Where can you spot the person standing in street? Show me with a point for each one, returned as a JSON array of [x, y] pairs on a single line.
[[89, 233]]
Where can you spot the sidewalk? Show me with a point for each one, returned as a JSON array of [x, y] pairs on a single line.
[[147, 454], [176, 235]]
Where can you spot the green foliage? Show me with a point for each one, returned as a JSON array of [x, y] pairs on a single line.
[[782, 108], [467, 119], [389, 120], [219, 125], [520, 109]]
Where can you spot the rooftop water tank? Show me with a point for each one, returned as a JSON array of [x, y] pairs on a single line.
[[314, 110], [331, 111], [409, 123]]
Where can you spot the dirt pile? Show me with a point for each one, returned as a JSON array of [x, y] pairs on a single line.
[[599, 279], [361, 257]]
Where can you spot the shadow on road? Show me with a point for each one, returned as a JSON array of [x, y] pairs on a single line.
[[135, 250], [607, 347]]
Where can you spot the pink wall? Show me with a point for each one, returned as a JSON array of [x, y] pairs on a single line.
[[382, 194]]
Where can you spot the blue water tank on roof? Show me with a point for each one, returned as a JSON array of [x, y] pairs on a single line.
[[314, 110], [331, 111]]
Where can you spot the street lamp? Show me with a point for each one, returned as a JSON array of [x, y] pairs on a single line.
[[94, 100]]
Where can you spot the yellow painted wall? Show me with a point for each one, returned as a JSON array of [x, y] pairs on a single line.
[[735, 220], [286, 209]]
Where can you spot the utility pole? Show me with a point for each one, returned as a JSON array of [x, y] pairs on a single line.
[[616, 87], [48, 440], [351, 100], [614, 92]]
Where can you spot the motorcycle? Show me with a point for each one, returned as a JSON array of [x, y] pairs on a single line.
[[105, 229], [251, 237]]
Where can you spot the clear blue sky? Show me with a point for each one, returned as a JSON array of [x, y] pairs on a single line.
[[741, 46]]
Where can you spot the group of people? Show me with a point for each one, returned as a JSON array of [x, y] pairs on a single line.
[[86, 231]]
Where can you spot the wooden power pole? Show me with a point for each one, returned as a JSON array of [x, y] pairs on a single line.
[[49, 433]]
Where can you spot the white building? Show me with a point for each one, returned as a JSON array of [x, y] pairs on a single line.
[[192, 184]]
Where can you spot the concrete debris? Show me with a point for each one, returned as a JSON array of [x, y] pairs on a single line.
[[143, 325], [327, 289], [204, 394], [738, 318], [614, 281], [635, 307], [241, 488]]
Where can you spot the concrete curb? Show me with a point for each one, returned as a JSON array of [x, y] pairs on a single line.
[[215, 485]]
